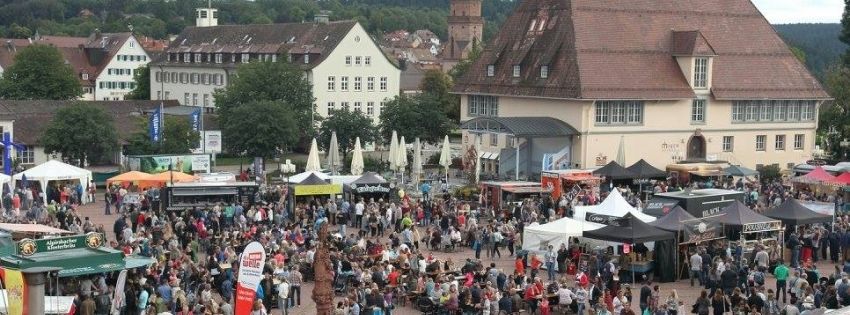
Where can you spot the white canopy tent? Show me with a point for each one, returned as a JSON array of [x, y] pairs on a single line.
[[536, 238], [614, 205], [52, 304], [5, 180], [54, 170], [300, 177]]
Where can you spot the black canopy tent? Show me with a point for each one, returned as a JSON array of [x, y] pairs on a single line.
[[738, 214], [632, 230], [660, 206], [370, 183], [614, 171], [791, 212], [672, 221], [643, 170], [313, 179]]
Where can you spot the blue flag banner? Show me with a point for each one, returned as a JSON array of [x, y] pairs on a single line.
[[195, 120], [154, 126]]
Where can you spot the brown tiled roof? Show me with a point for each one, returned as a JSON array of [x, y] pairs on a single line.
[[690, 43], [610, 49], [32, 117], [88, 55], [295, 38]]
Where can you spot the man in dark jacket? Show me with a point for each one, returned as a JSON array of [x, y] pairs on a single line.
[[728, 280], [645, 294]]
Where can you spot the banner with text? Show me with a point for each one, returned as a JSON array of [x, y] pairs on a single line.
[[762, 227], [29, 247], [153, 164], [702, 229], [16, 290], [250, 273]]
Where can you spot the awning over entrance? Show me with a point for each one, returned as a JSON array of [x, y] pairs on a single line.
[[521, 126]]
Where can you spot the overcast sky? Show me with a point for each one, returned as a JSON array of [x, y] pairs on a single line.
[[801, 11]]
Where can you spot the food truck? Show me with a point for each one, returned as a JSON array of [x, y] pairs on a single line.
[[500, 194], [698, 202], [560, 182], [185, 196]]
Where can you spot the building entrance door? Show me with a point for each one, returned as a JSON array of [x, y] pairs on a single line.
[[696, 148]]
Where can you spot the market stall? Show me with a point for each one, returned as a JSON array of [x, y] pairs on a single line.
[[537, 238], [300, 177], [643, 170], [55, 171], [572, 183], [631, 230], [171, 177], [613, 207], [683, 224], [500, 195], [742, 223], [371, 185], [313, 185]]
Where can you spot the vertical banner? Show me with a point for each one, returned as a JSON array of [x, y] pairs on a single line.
[[195, 120], [16, 291], [154, 126], [250, 273], [118, 295], [7, 153]]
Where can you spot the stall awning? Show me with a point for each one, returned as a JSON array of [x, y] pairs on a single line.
[[204, 191], [708, 173], [71, 262], [31, 228], [525, 189], [129, 263], [314, 190]]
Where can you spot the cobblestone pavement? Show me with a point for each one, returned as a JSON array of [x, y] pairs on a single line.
[[687, 293]]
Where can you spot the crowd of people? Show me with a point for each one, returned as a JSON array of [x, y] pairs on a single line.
[[386, 252]]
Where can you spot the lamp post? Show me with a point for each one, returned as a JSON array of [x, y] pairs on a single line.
[[286, 169]]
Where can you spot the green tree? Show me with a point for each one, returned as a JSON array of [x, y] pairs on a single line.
[[415, 116], [845, 32], [143, 85], [832, 125], [799, 53], [178, 137], [17, 31], [348, 126], [438, 85], [259, 128], [81, 132], [462, 67], [269, 81], [40, 72]]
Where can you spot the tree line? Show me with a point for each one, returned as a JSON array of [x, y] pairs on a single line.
[[159, 18]]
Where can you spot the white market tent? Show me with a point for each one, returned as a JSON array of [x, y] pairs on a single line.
[[614, 205], [300, 177], [54, 170], [535, 238], [5, 179], [52, 304]]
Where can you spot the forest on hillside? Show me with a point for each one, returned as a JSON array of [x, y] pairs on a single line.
[[819, 42], [159, 18]]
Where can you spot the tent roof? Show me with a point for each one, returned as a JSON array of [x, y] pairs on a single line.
[[792, 212], [642, 169], [53, 169], [737, 213], [844, 178], [632, 230], [313, 179], [568, 227], [297, 178], [613, 205], [672, 221], [369, 178], [816, 175], [737, 170], [167, 176], [31, 228], [614, 171], [129, 177]]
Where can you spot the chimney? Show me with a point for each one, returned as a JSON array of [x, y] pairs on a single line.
[[97, 33], [322, 17]]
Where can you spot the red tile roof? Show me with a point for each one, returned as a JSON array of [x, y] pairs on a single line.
[[610, 49]]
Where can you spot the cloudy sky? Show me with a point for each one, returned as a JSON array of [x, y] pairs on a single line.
[[801, 11]]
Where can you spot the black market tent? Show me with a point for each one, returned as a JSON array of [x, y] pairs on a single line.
[[370, 183], [614, 171], [672, 221], [738, 214], [313, 179], [643, 170], [629, 229], [791, 212], [739, 171]]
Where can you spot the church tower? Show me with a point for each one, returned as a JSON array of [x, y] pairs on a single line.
[[465, 29]]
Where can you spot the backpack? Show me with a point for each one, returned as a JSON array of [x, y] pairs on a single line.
[[758, 277]]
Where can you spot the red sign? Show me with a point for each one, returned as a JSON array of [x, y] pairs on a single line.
[[250, 273]]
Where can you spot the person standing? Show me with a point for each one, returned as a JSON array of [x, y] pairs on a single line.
[[696, 268], [295, 287], [551, 260], [645, 295], [781, 274], [283, 296]]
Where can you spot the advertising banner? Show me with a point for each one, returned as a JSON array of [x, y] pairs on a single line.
[[250, 273], [603, 219], [213, 141], [700, 230], [195, 120], [154, 126], [118, 295], [153, 164], [16, 290], [826, 208], [314, 190], [28, 247], [762, 227]]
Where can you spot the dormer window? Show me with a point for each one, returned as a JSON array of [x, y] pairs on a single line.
[[245, 58], [198, 58], [187, 57], [700, 72], [491, 70], [516, 71], [306, 58], [217, 58], [544, 72]]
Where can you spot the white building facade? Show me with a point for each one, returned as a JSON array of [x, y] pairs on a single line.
[[117, 77]]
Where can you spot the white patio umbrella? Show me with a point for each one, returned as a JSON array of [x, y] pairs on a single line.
[[446, 158], [477, 157], [401, 160], [357, 158], [621, 153], [416, 168], [393, 151], [313, 163], [333, 159]]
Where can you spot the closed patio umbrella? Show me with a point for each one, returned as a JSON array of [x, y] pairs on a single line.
[[313, 163], [357, 158]]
